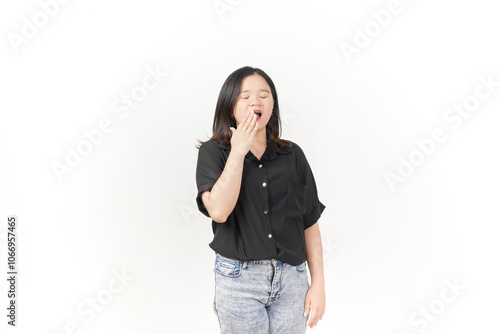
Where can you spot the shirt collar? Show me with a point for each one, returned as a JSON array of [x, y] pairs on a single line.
[[271, 149]]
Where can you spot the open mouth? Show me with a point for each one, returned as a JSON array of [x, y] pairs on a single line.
[[258, 113]]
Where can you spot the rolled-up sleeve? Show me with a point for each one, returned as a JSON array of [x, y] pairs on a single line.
[[208, 170], [314, 207]]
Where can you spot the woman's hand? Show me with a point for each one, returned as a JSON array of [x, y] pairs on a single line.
[[315, 298], [242, 137]]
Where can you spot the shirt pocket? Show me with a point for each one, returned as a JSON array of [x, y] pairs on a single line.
[[295, 200]]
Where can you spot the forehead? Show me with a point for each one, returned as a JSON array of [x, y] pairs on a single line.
[[254, 83]]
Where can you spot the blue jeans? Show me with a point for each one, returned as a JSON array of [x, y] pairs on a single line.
[[260, 296]]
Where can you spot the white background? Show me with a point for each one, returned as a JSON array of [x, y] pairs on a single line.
[[129, 205]]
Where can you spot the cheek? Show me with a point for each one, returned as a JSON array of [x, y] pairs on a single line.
[[240, 109], [239, 115]]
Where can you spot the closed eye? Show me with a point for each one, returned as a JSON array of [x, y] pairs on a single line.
[[263, 97]]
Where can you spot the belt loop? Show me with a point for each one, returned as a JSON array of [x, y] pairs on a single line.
[[244, 264]]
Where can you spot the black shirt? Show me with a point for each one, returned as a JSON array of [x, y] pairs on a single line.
[[278, 200]]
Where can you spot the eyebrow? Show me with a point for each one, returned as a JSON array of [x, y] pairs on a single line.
[[262, 90]]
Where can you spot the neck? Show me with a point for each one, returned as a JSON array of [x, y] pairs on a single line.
[[261, 138]]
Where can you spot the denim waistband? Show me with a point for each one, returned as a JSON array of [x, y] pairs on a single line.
[[244, 263]]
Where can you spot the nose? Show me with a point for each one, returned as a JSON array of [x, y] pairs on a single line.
[[254, 102]]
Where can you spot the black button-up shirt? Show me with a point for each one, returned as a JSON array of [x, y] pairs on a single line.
[[278, 200]]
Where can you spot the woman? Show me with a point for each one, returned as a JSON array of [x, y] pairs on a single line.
[[261, 194]]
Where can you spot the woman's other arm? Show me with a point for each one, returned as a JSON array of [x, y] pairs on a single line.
[[315, 297]]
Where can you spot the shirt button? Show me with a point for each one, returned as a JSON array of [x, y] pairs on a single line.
[[264, 184], [260, 166], [265, 212], [270, 235]]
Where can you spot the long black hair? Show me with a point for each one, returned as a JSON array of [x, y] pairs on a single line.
[[223, 118]]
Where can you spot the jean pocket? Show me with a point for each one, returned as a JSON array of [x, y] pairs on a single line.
[[301, 267], [227, 267], [295, 200]]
